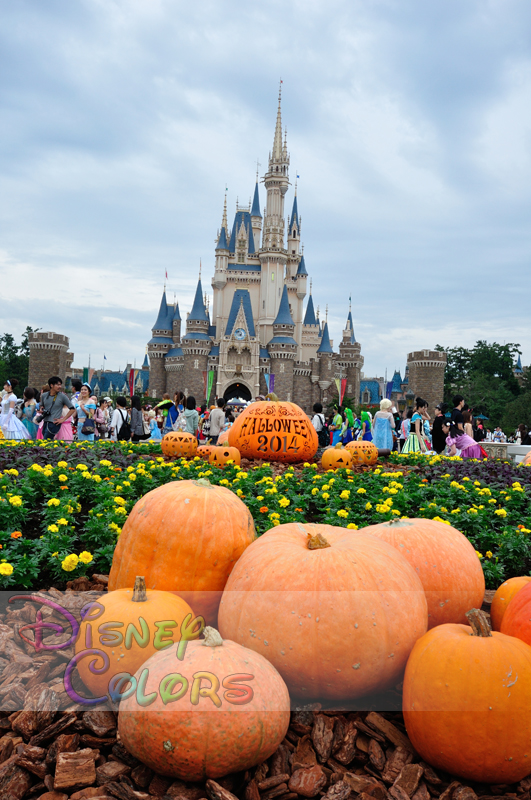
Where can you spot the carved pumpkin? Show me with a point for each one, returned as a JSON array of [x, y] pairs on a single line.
[[204, 451], [178, 444], [480, 682], [445, 562], [236, 720], [517, 618], [527, 460], [363, 452], [337, 614], [503, 596], [223, 437], [131, 638], [274, 431], [336, 458], [184, 537], [220, 456]]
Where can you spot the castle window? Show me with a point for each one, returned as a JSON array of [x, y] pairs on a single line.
[[196, 363], [282, 367]]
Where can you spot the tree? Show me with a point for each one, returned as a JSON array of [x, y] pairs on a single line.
[[14, 359], [516, 412]]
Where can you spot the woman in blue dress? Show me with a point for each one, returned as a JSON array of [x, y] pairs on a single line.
[[156, 435], [383, 426], [85, 407], [366, 428], [416, 442], [29, 409]]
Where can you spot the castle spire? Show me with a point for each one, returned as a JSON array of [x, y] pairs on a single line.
[[255, 210], [277, 141], [198, 311]]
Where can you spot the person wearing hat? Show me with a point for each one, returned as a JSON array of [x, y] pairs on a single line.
[[440, 428]]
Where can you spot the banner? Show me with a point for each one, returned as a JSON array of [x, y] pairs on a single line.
[[340, 386], [205, 373], [91, 375], [271, 383], [266, 376], [85, 374], [210, 383], [132, 380]]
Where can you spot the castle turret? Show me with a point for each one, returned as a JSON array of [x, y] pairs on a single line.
[[294, 240], [350, 360], [282, 349], [196, 345], [325, 354], [426, 375], [159, 344], [256, 217], [48, 355]]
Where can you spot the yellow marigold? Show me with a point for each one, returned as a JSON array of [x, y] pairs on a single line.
[[63, 464], [352, 526], [315, 490], [241, 475], [6, 569], [239, 493], [96, 478], [224, 482], [119, 501], [53, 528], [36, 468], [478, 554], [284, 502], [105, 463], [15, 501], [260, 497], [132, 477], [455, 511], [489, 554], [500, 512], [70, 562], [82, 467], [492, 501], [345, 494], [471, 511], [62, 521], [326, 496], [53, 502], [63, 478], [342, 513], [85, 557], [361, 490], [120, 510], [368, 506]]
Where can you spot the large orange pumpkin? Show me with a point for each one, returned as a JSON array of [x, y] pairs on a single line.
[[178, 444], [122, 625], [184, 537], [363, 452], [225, 709], [467, 695], [337, 614], [503, 596], [220, 456], [445, 562], [274, 431], [336, 458], [223, 438], [527, 460], [517, 618]]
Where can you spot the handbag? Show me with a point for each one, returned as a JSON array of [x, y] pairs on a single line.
[[89, 426], [180, 423]]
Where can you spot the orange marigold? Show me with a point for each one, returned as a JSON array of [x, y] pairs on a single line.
[[264, 510], [16, 534]]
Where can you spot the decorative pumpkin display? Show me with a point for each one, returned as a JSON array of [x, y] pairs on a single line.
[[122, 626], [503, 596], [337, 614], [204, 451], [517, 618], [445, 562], [362, 452], [221, 709], [480, 682], [220, 456], [184, 537], [336, 458], [527, 459], [178, 444], [223, 438], [274, 431]]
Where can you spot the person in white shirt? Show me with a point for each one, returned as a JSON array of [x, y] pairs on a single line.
[[217, 421], [119, 416]]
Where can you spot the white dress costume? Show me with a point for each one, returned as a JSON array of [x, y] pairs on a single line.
[[12, 427]]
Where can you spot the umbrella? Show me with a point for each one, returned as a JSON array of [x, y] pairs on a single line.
[[236, 402], [481, 416]]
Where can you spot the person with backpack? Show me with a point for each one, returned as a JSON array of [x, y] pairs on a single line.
[[319, 423], [120, 430]]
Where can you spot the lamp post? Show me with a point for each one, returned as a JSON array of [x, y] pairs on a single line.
[[410, 397]]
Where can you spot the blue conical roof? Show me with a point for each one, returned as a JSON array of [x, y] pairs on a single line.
[[176, 313], [349, 321], [198, 312], [255, 210], [309, 317], [325, 346], [222, 241], [284, 314], [294, 217], [145, 365], [302, 267], [163, 322], [518, 365]]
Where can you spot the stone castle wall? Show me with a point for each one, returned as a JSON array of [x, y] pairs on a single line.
[[49, 356], [426, 376]]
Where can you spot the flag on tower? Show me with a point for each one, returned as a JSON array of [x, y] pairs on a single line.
[[166, 274]]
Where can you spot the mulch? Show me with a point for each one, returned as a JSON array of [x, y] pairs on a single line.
[[55, 750]]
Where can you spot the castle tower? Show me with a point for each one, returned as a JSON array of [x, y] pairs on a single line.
[[283, 350], [426, 376], [48, 356], [294, 240], [256, 216], [350, 361], [272, 254], [159, 344], [196, 345], [325, 354]]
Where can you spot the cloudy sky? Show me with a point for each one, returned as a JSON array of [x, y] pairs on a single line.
[[409, 123]]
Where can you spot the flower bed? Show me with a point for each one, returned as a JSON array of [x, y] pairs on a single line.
[[62, 507]]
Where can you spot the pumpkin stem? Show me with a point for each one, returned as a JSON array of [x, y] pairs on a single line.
[[212, 637], [272, 396], [202, 482], [139, 590], [317, 542], [479, 622], [338, 446]]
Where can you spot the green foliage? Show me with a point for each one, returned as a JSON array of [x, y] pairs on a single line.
[[516, 412], [14, 359]]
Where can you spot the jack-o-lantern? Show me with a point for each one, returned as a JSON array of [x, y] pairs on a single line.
[[363, 452], [223, 437], [220, 456], [178, 444], [274, 431], [204, 451], [527, 459], [336, 458]]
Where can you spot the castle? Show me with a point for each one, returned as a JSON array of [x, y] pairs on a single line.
[[261, 337]]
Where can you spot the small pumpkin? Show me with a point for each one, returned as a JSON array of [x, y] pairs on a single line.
[[184, 537], [223, 437], [503, 596], [178, 444], [204, 451], [225, 709], [337, 614], [274, 431], [122, 626], [465, 675], [445, 562], [517, 618], [220, 456], [527, 460], [363, 452], [336, 458]]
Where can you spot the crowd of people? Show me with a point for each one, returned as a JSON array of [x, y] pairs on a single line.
[[50, 413]]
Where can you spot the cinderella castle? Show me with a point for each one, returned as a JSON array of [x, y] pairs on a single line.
[[264, 334]]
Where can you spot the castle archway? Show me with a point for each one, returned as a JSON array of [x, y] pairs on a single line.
[[237, 390]]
